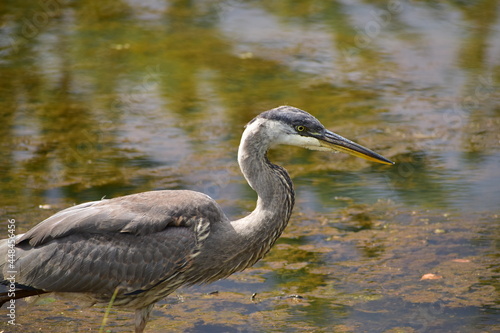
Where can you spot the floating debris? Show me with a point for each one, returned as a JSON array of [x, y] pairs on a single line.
[[430, 276], [461, 260]]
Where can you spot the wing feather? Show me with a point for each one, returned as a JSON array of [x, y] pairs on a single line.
[[139, 214], [133, 242], [100, 263]]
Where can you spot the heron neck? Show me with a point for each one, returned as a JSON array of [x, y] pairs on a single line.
[[241, 243], [273, 186]]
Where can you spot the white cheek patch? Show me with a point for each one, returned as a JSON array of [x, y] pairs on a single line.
[[300, 141], [280, 134]]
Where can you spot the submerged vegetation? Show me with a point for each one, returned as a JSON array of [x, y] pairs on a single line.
[[102, 99]]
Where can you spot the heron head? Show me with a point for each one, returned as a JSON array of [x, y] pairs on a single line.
[[291, 126]]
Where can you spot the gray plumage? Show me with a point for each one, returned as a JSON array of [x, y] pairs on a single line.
[[149, 244]]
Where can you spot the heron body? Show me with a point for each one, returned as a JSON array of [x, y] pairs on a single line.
[[142, 247]]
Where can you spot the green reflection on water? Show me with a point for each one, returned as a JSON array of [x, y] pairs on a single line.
[[109, 98]]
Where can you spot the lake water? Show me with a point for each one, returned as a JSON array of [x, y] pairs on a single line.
[[103, 99]]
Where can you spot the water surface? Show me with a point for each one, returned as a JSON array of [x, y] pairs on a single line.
[[102, 99]]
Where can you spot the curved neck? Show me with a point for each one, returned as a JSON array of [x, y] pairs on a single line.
[[241, 243], [273, 186]]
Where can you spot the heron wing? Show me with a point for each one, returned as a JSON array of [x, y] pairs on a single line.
[[138, 214], [133, 242]]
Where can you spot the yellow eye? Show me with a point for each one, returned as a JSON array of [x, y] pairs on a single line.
[[300, 128]]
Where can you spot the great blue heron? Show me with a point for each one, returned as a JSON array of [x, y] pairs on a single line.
[[141, 247]]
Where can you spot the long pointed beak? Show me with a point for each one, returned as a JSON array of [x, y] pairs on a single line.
[[334, 141]]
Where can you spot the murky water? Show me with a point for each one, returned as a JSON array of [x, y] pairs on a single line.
[[111, 98]]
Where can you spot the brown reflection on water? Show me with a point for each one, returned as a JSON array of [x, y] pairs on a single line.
[[109, 98]]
